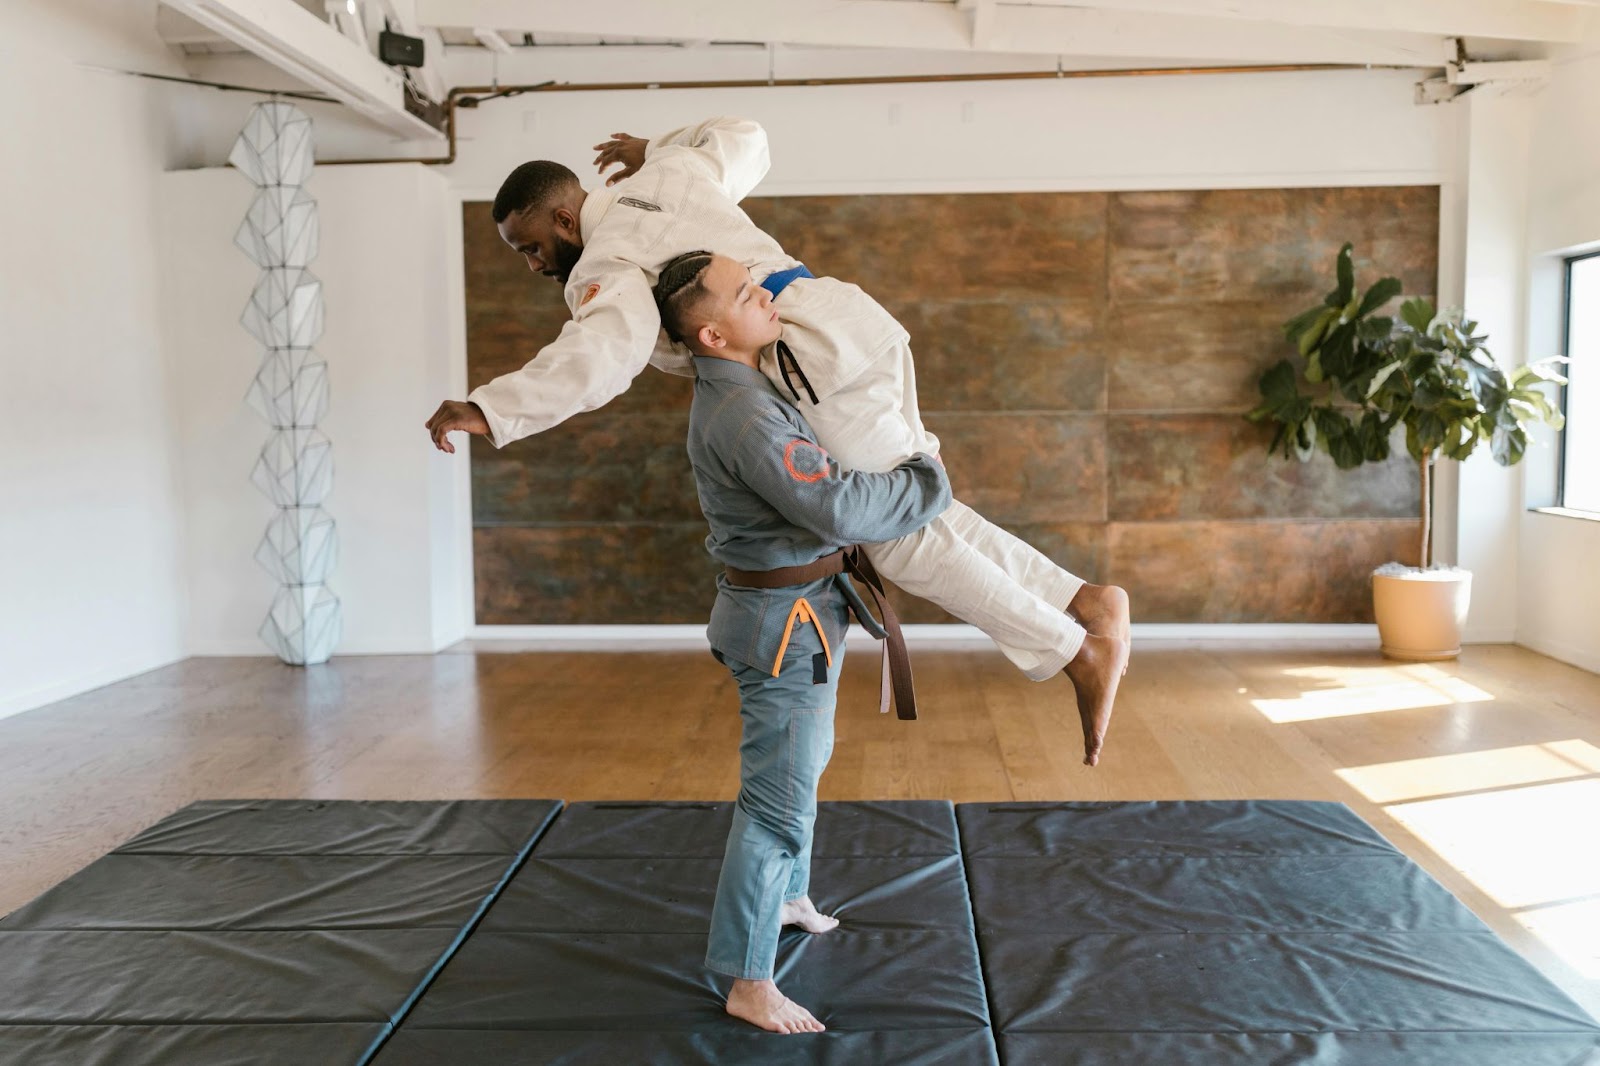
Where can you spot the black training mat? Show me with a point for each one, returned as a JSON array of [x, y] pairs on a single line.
[[511, 932], [254, 931], [594, 952], [1250, 932]]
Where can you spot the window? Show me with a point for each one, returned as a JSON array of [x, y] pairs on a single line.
[[1580, 441]]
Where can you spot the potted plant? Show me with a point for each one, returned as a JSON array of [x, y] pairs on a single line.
[[1369, 374]]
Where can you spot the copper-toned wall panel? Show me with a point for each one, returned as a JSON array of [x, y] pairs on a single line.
[[597, 467], [1257, 244], [591, 574], [949, 247], [1192, 356], [1216, 466], [1025, 467], [1255, 571], [1008, 355], [1085, 359]]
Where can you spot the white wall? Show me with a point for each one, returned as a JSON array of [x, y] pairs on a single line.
[[385, 275], [1559, 557], [1205, 132], [90, 587], [1494, 194]]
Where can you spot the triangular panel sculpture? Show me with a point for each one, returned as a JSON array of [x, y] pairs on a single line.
[[295, 469]]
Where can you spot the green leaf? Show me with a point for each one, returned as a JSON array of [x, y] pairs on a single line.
[[1374, 437], [1413, 442], [1382, 375], [1507, 445], [1347, 275], [1297, 325], [1317, 330], [1381, 293], [1314, 368], [1431, 430], [1278, 383], [1418, 314], [1543, 370], [1375, 330], [1304, 440]]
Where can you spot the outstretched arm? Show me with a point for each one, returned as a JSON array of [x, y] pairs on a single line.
[[734, 150], [783, 464], [596, 357]]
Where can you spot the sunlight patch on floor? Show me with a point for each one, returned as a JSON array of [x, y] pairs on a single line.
[[1472, 771], [1523, 846], [1571, 930], [1350, 691]]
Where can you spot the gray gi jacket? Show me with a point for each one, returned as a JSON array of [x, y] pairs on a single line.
[[773, 498]]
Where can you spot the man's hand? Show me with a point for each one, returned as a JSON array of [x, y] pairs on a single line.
[[452, 415], [629, 151]]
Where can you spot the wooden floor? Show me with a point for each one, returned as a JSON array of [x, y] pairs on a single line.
[[1486, 771]]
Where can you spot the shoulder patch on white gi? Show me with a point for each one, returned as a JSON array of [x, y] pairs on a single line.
[[643, 205], [805, 461], [590, 293]]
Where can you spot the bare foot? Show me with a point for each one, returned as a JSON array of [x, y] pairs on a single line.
[[804, 913], [1095, 673], [1103, 611], [761, 1004]]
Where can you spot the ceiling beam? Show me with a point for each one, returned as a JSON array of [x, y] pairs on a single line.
[[491, 40], [293, 39], [1519, 20], [981, 14], [1013, 28]]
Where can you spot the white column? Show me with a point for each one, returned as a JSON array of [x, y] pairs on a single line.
[[1493, 273]]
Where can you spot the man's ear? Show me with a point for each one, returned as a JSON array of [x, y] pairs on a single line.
[[710, 338], [565, 220]]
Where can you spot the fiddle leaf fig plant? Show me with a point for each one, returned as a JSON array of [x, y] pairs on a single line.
[[1367, 373]]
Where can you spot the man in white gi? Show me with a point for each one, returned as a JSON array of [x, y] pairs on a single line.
[[847, 366]]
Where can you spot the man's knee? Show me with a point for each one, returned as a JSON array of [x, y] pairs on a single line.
[[777, 820]]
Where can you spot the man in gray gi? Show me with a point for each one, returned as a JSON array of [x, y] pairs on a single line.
[[681, 192], [780, 509]]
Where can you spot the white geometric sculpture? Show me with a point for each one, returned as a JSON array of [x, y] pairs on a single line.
[[290, 391]]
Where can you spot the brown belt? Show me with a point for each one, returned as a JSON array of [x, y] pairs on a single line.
[[896, 660]]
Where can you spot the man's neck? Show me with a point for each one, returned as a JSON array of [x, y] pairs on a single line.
[[749, 359]]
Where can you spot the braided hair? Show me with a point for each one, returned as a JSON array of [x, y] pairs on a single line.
[[679, 288]]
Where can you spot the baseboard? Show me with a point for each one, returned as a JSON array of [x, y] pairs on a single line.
[[1583, 658], [76, 686], [253, 648], [663, 637]]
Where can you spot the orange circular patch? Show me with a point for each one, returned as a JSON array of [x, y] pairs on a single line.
[[788, 461], [590, 293]]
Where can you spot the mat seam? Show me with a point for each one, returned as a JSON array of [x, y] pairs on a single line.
[[977, 936], [398, 1018]]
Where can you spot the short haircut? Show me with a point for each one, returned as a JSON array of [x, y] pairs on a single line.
[[679, 290], [532, 184]]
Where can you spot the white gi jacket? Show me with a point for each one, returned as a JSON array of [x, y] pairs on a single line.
[[684, 196]]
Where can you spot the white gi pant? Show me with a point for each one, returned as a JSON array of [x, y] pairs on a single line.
[[972, 568]]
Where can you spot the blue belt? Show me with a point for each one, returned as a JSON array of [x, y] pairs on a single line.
[[776, 283]]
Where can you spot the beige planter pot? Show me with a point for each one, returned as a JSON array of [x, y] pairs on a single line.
[[1420, 614]]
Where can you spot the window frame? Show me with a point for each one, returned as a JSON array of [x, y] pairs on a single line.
[[1566, 390]]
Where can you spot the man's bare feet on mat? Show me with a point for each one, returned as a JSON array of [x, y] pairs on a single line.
[[761, 1004], [1095, 673], [804, 913]]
